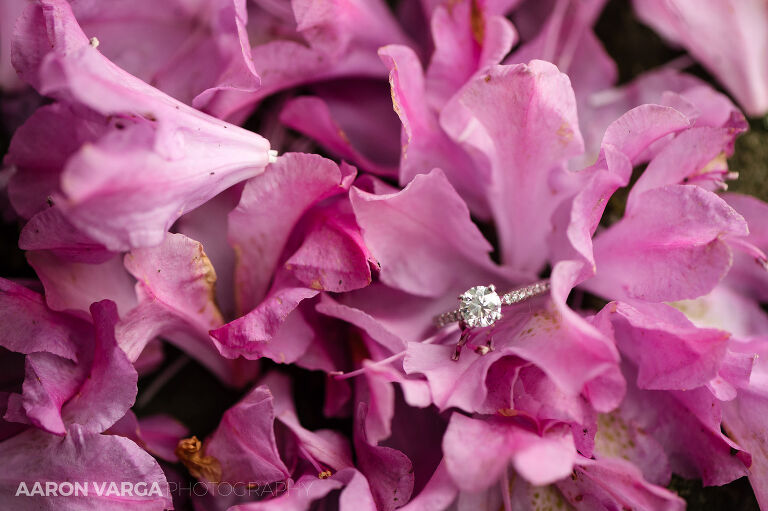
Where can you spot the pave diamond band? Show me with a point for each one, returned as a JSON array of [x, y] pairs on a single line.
[[480, 306]]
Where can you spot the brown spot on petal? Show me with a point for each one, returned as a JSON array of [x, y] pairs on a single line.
[[564, 133], [207, 275], [316, 284], [189, 452], [477, 22]]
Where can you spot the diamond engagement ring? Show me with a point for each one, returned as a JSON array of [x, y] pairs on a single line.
[[480, 306]]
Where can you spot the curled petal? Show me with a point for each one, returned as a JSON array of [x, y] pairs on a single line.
[[158, 157], [244, 443], [269, 209]]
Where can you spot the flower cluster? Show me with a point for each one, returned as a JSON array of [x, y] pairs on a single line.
[[461, 143]]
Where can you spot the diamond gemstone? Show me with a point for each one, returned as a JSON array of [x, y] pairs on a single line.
[[480, 306]]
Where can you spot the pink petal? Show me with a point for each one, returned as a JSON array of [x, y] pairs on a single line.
[[389, 471], [559, 341], [617, 484], [339, 120], [477, 452], [84, 457], [460, 384], [520, 123], [747, 276], [355, 494], [667, 247], [693, 157], [51, 230], [175, 147], [30, 327], [327, 448], [407, 316], [744, 422], [156, 197], [536, 395], [424, 238], [626, 141], [237, 69], [636, 130], [37, 172], [620, 435], [269, 209], [179, 275], [332, 257], [208, 225], [736, 60], [670, 352], [416, 392], [9, 11], [110, 388], [576, 220], [150, 359], [438, 493], [332, 40], [370, 324], [12, 417], [176, 300], [74, 286], [334, 26], [692, 97], [49, 381], [244, 443], [687, 425], [183, 49], [157, 434], [379, 395], [94, 393], [467, 39], [425, 145], [566, 39], [257, 333]]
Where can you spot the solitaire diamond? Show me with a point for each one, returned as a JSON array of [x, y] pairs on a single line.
[[480, 306]]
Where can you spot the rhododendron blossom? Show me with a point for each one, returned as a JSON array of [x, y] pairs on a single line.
[[372, 255]]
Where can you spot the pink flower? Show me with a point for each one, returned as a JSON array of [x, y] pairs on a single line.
[[501, 152], [77, 384], [171, 157], [338, 39], [306, 241]]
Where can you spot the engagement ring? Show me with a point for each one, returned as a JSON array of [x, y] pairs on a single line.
[[480, 306]]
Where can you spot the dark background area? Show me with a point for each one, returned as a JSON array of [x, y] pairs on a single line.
[[198, 399]]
